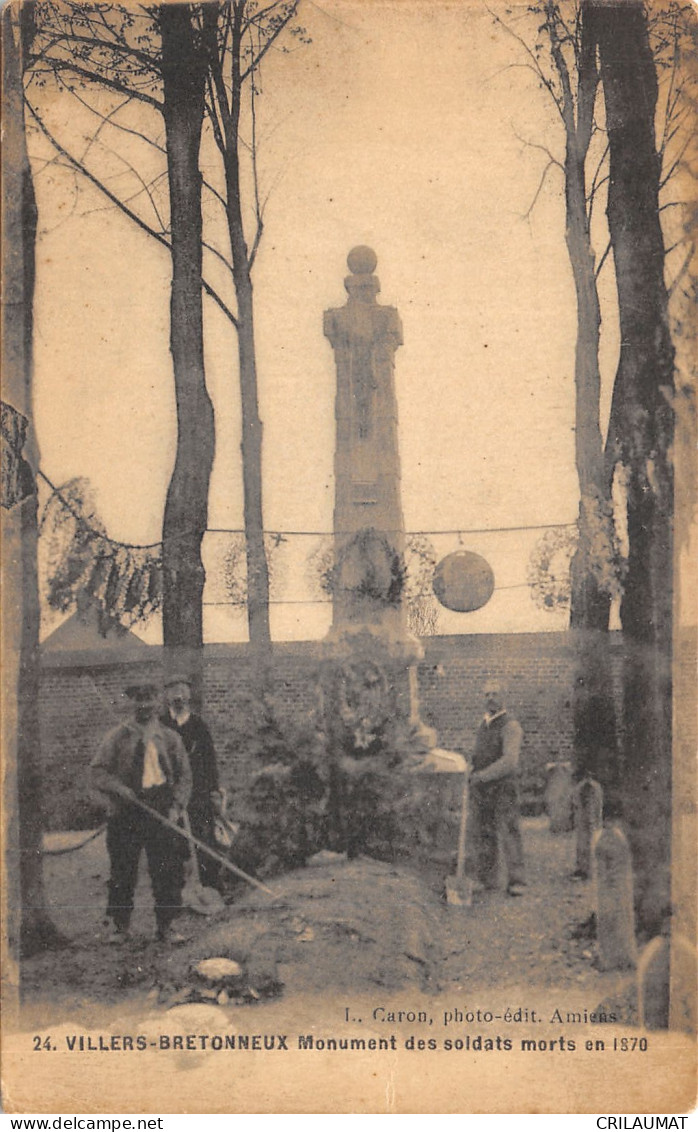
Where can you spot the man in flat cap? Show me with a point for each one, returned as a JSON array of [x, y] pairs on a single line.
[[494, 796], [205, 798], [140, 760]]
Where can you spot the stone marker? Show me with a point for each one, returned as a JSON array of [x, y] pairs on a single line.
[[588, 819], [653, 984], [559, 800], [615, 914], [683, 984], [666, 984]]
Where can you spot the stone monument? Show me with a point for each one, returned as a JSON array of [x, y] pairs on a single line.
[[369, 677], [369, 622], [369, 530]]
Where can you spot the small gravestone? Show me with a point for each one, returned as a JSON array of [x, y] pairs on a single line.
[[615, 916], [559, 799], [666, 983], [653, 984], [683, 984], [588, 819]]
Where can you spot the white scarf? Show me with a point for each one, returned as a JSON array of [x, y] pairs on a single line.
[[152, 770]]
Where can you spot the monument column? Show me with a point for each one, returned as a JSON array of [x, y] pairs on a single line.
[[369, 536], [375, 739]]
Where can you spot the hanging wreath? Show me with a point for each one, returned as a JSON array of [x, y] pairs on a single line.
[[367, 567], [232, 571], [549, 568]]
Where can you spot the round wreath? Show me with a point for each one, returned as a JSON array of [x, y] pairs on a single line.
[[549, 568], [383, 587]]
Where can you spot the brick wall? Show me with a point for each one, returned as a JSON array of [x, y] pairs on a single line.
[[81, 697]]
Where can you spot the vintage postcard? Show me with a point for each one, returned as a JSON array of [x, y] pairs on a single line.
[[348, 564]]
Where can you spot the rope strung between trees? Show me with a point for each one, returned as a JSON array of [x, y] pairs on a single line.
[[457, 531]]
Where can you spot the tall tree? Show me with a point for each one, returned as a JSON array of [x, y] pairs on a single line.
[[238, 35], [29, 927], [121, 51], [591, 576], [643, 435], [564, 60], [153, 58], [186, 507]]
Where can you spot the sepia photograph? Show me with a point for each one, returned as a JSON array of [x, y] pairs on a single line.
[[349, 549]]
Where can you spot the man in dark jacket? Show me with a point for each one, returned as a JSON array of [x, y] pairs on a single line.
[[494, 794], [141, 760], [205, 796]]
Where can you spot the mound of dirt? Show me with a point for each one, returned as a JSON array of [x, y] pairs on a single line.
[[346, 924]]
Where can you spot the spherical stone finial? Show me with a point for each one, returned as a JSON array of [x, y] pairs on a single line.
[[362, 260]]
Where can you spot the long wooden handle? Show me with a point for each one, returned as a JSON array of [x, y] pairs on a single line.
[[175, 828], [460, 860], [190, 839]]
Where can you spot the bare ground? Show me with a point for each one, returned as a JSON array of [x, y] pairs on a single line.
[[359, 927]]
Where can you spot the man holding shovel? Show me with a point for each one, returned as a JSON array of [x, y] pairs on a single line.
[[205, 798], [143, 761], [494, 796]]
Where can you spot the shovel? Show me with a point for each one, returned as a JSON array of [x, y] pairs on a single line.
[[459, 888], [196, 896], [125, 792]]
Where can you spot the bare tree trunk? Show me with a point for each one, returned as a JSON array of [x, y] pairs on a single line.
[[644, 432], [251, 448], [23, 822], [251, 443], [186, 507], [594, 711]]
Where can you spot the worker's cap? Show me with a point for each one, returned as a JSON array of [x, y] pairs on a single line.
[[142, 693], [493, 687], [178, 678]]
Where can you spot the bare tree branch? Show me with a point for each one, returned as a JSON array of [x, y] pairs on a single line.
[[219, 255], [121, 48], [543, 148], [111, 120], [138, 220], [531, 54], [213, 114], [591, 197], [55, 66], [272, 39], [255, 181], [539, 189], [675, 163], [567, 102], [602, 260]]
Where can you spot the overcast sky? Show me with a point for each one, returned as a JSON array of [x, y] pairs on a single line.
[[401, 126]]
